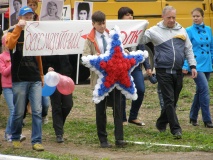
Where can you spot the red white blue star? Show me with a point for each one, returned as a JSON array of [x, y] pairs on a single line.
[[114, 68]]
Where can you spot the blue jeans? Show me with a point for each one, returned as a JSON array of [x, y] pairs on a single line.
[[201, 98], [8, 95], [22, 91], [139, 85], [45, 105], [45, 102]]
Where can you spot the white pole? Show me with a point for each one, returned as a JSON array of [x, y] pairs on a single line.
[[166, 145], [8, 157], [77, 73], [2, 23]]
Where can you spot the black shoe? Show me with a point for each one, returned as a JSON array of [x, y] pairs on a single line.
[[120, 143], [160, 129], [193, 122], [136, 122], [105, 145], [59, 138], [177, 135], [208, 124]]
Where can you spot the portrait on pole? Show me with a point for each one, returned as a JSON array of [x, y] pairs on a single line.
[[15, 6], [83, 10], [51, 10]]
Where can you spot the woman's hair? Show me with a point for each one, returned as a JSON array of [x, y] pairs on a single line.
[[199, 10], [20, 1], [33, 1], [123, 11], [83, 6]]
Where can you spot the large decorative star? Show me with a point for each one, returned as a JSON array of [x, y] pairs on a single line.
[[114, 68]]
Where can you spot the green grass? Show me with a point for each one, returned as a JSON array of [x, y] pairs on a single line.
[[80, 128]]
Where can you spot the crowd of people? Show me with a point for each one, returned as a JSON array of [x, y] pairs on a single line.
[[178, 51]]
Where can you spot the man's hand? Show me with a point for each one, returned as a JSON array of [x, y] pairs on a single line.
[[194, 73]]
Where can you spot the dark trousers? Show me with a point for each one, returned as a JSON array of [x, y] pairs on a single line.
[[101, 118], [170, 85], [160, 97], [61, 107]]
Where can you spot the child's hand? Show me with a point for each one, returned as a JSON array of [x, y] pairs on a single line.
[[126, 51], [98, 54], [21, 23], [50, 69]]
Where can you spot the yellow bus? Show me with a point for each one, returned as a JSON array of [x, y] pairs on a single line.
[[151, 9]]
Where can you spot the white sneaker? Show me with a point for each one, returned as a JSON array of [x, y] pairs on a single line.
[[22, 138], [7, 137], [44, 120]]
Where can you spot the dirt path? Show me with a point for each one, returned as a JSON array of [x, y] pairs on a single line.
[[94, 153], [105, 153]]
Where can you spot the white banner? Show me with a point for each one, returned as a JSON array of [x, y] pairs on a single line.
[[67, 37]]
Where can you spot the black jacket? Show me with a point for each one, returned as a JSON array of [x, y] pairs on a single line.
[[24, 68]]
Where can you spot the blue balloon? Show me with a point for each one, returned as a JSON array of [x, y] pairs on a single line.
[[47, 90]]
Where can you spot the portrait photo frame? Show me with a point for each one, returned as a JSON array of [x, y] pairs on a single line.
[[13, 15], [50, 6], [86, 6]]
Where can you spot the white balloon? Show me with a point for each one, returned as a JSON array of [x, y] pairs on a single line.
[[51, 78]]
